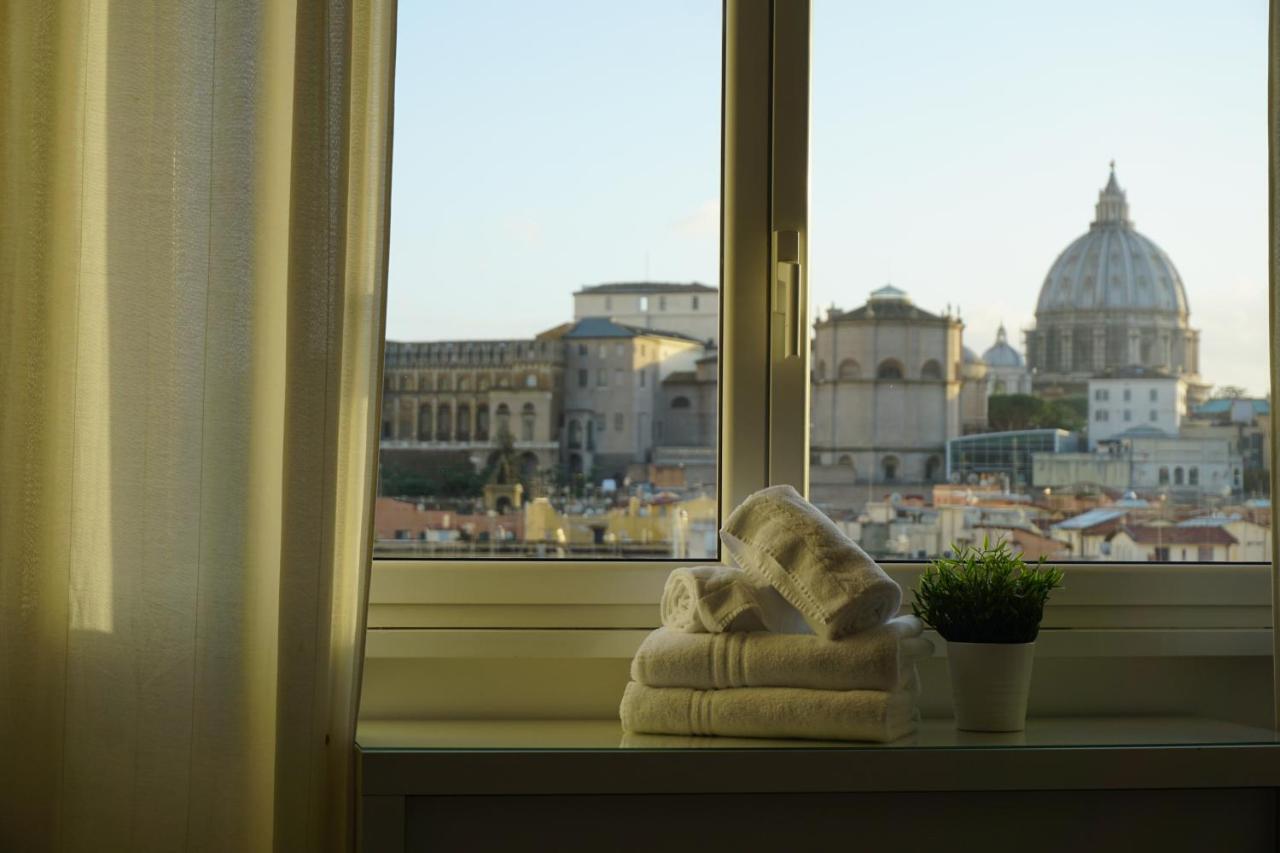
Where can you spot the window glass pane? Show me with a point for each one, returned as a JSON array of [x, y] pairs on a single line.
[[554, 233], [1027, 220]]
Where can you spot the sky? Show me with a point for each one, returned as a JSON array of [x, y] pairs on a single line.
[[956, 149]]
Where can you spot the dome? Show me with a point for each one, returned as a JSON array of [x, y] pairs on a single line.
[[1113, 268], [969, 356], [1001, 354]]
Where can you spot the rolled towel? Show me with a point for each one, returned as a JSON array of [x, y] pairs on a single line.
[[715, 599], [880, 659], [769, 712], [787, 542]]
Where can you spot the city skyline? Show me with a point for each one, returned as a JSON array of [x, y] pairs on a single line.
[[976, 223]]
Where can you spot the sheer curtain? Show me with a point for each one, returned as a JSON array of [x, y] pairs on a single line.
[[193, 197]]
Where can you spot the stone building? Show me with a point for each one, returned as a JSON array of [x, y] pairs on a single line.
[[1126, 397], [613, 392], [692, 309], [1113, 298], [453, 398], [887, 387], [687, 421], [1006, 371]]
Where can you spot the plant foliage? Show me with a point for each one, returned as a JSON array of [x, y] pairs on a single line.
[[985, 595]]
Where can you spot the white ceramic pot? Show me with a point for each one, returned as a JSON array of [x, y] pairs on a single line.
[[989, 685]]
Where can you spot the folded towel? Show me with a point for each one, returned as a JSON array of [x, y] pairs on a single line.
[[770, 712], [879, 659], [787, 542], [713, 599], [636, 740]]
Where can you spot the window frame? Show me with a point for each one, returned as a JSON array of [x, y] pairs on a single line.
[[764, 394]]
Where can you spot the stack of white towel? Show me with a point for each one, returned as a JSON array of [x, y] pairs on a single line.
[[799, 641]]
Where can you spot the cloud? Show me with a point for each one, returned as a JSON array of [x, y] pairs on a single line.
[[524, 230], [703, 222]]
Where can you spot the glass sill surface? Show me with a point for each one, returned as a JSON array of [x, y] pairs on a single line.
[[374, 736]]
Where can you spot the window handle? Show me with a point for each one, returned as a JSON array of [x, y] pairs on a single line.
[[786, 291]]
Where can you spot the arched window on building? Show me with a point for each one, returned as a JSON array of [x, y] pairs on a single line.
[[931, 370], [680, 403], [849, 369], [999, 387], [424, 422], [531, 381], [464, 422], [933, 469], [464, 383], [889, 467], [1177, 476], [820, 372], [502, 419], [528, 417], [442, 382], [482, 422], [1193, 476], [444, 422], [890, 368], [1164, 476]]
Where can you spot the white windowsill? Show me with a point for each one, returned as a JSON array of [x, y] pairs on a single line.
[[403, 758]]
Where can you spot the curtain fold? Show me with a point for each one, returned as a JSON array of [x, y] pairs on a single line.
[[192, 269]]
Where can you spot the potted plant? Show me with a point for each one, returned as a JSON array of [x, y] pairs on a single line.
[[987, 604]]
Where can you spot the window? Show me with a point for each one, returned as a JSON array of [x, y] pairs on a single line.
[[889, 369], [662, 303], [583, 377], [619, 422], [680, 403], [694, 301], [644, 304], [617, 377], [1085, 322], [528, 421], [642, 373], [849, 369], [602, 377], [886, 481], [531, 381]]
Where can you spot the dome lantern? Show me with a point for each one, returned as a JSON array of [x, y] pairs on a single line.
[[1113, 207]]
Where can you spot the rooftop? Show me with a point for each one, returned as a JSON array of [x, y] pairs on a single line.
[[1091, 518], [1261, 407], [604, 327], [643, 287], [1200, 535], [1133, 371]]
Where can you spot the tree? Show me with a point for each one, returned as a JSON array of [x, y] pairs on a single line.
[[1069, 413], [1024, 411], [1228, 392], [1013, 411]]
